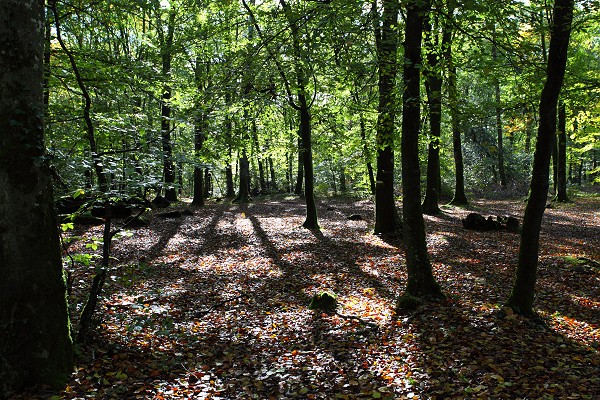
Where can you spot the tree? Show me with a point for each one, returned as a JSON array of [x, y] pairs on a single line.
[[386, 40], [166, 50], [561, 170], [421, 283], [35, 343], [436, 53], [522, 295]]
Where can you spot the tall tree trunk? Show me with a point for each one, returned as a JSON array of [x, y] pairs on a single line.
[[230, 188], [460, 198], [561, 189], [273, 185], [501, 170], [199, 135], [300, 173], [244, 189], [311, 221], [96, 160], [367, 154], [433, 85], [165, 122], [261, 166], [199, 130], [421, 283], [387, 220], [523, 291], [35, 342]]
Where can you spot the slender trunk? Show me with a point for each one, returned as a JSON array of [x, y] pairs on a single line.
[[367, 154], [199, 130], [561, 193], [273, 186], [523, 291], [501, 170], [309, 180], [300, 173], [207, 187], [261, 167], [421, 282], [386, 38], [165, 125], [230, 187], [460, 197], [433, 85], [96, 161]]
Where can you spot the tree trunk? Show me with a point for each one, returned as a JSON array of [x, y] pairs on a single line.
[[300, 174], [165, 125], [460, 198], [561, 189], [309, 181], [501, 170], [96, 161], [367, 154], [386, 39], [35, 342], [523, 291], [207, 187], [273, 185], [199, 136], [244, 189], [421, 282], [433, 85]]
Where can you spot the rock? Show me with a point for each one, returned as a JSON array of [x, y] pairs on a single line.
[[355, 217], [323, 301]]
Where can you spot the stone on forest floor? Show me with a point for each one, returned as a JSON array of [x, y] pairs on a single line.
[[323, 301], [478, 222]]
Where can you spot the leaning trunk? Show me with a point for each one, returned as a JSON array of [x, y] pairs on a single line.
[[523, 291]]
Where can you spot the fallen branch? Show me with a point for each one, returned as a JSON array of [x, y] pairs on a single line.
[[200, 314]]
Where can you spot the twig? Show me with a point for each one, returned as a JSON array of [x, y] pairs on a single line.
[[200, 314]]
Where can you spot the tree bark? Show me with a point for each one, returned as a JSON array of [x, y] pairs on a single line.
[[523, 291], [421, 283], [367, 154], [199, 135], [433, 85], [386, 39], [165, 124], [561, 170], [300, 174], [35, 342], [501, 169]]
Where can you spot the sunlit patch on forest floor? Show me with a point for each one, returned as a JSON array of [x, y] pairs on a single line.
[[215, 305]]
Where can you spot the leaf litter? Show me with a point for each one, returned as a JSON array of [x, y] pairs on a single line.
[[215, 306]]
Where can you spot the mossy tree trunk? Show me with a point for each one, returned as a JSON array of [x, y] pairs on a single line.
[[523, 291], [35, 341]]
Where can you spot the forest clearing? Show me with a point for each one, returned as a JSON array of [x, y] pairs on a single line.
[[215, 305], [277, 199]]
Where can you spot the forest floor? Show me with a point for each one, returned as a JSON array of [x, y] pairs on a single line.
[[215, 305]]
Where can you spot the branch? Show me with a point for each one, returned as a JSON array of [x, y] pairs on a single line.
[[280, 70]]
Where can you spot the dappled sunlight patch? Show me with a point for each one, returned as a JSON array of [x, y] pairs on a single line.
[[225, 314]]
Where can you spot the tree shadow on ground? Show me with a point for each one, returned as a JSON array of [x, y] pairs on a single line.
[[466, 354]]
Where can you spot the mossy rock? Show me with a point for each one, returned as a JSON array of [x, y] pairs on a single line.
[[323, 301]]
